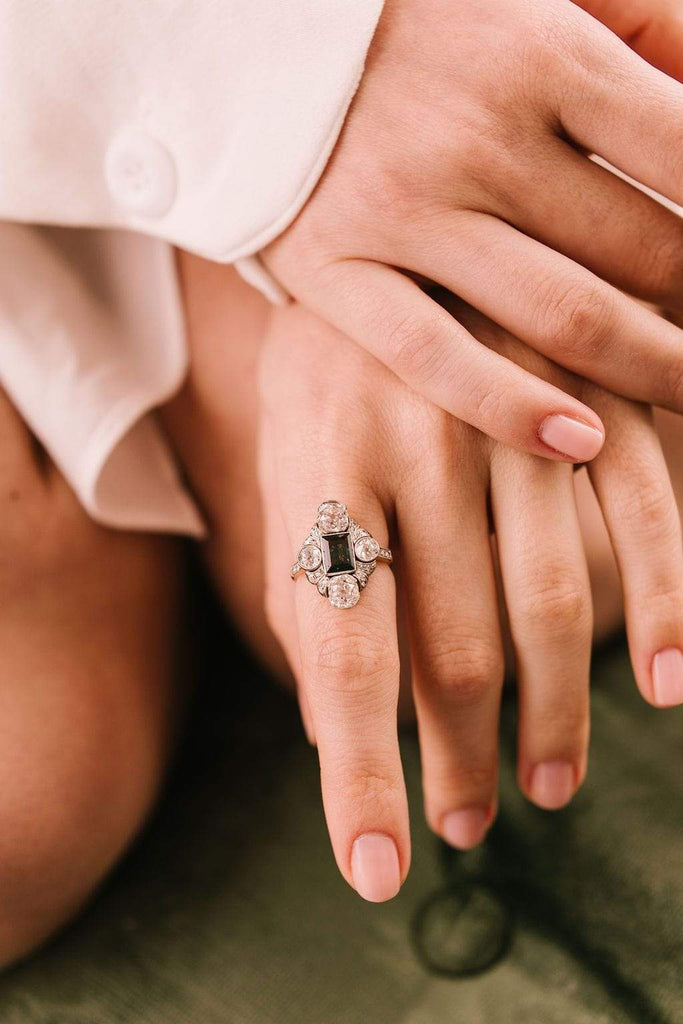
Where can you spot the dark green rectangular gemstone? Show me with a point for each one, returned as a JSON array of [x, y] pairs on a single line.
[[337, 553]]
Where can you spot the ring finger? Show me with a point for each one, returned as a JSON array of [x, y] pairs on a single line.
[[350, 675], [547, 595], [639, 247]]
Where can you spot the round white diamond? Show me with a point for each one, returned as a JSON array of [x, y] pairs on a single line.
[[310, 557], [343, 592], [333, 517], [367, 549]]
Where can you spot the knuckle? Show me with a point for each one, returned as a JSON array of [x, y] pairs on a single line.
[[465, 671], [484, 150], [417, 350], [492, 405], [557, 603], [352, 662], [366, 785], [385, 187], [578, 319], [664, 598], [647, 506]]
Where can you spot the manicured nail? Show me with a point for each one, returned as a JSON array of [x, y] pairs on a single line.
[[552, 784], [465, 829], [667, 677], [571, 437], [375, 868]]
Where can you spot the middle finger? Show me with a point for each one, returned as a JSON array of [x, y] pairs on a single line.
[[457, 652]]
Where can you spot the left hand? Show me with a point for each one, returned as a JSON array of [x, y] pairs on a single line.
[[336, 424]]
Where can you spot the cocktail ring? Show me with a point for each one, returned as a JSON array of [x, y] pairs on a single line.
[[339, 556]]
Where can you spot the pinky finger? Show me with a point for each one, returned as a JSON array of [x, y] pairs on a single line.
[[642, 518]]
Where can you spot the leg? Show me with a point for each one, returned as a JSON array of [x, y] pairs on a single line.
[[87, 691]]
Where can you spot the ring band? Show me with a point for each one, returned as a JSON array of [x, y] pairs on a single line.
[[339, 556]]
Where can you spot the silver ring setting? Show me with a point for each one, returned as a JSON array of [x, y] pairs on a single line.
[[339, 556]]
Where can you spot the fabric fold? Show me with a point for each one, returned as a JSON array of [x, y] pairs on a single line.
[[92, 341]]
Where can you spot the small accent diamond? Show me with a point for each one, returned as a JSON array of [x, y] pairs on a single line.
[[333, 517], [367, 549], [343, 592], [310, 557]]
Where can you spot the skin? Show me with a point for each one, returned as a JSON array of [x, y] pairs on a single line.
[[489, 193], [409, 472], [89, 695], [105, 724], [653, 28], [91, 699]]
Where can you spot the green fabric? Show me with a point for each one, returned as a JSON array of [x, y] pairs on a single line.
[[230, 908]]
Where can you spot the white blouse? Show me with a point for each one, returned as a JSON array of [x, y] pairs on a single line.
[[203, 124]]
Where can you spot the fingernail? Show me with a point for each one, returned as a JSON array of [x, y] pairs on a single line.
[[552, 784], [667, 677], [571, 437], [465, 829], [374, 867]]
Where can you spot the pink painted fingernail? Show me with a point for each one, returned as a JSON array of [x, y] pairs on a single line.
[[552, 784], [667, 677], [571, 437], [375, 868], [465, 829]]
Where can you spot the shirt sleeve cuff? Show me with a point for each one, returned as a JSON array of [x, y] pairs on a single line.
[[208, 127]]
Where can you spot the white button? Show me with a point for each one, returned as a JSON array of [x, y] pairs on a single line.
[[140, 174]]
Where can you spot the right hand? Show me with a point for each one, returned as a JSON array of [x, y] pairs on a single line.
[[462, 162], [336, 424]]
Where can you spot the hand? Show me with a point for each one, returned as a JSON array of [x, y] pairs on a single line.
[[460, 164], [336, 424]]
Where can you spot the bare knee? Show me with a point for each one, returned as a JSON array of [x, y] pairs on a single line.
[[76, 783]]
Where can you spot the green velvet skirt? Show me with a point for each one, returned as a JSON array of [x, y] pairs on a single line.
[[230, 908]]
